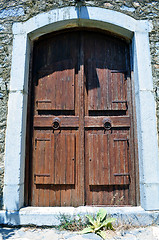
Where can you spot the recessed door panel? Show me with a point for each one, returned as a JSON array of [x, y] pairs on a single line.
[[118, 90], [55, 84], [42, 170], [108, 157], [64, 157], [99, 86], [120, 158], [107, 89], [98, 158]]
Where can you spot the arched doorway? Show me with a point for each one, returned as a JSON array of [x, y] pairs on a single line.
[[24, 33], [82, 130]]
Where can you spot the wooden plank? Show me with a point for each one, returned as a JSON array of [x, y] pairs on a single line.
[[119, 121], [112, 164], [107, 157], [63, 149], [71, 159], [66, 195], [47, 197], [81, 166], [57, 154], [90, 158], [65, 121]]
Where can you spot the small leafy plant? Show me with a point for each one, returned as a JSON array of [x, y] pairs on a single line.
[[99, 225], [70, 223]]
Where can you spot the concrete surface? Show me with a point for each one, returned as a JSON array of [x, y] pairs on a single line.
[[50, 216], [148, 233]]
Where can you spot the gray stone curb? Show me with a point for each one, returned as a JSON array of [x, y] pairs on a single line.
[[50, 216]]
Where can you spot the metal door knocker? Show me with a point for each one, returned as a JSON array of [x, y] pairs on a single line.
[[56, 123], [107, 124]]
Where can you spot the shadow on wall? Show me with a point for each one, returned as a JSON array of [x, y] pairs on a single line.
[[84, 13], [11, 218], [1, 198], [1, 186]]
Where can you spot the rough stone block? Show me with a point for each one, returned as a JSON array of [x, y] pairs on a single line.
[[1, 28], [18, 63], [143, 61], [15, 136], [149, 160], [11, 12], [13, 197], [129, 9], [150, 196]]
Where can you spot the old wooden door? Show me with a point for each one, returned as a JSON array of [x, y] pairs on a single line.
[[82, 132]]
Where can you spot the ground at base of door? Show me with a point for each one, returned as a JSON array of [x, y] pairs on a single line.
[[29, 233]]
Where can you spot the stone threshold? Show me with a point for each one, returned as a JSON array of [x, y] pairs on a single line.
[[50, 216]]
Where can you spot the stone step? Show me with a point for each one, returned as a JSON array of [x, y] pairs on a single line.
[[51, 216]]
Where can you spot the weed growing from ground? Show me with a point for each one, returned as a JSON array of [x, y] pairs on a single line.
[[75, 223], [99, 225]]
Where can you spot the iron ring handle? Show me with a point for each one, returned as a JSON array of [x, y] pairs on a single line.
[[107, 124], [56, 123]]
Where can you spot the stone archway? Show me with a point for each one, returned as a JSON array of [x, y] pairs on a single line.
[[24, 34]]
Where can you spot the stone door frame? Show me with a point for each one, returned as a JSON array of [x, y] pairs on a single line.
[[23, 36]]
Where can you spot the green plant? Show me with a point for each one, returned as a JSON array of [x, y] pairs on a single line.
[[99, 225], [71, 223]]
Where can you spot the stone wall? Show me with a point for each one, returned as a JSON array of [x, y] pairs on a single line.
[[21, 10]]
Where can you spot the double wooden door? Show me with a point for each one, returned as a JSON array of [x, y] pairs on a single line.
[[82, 150]]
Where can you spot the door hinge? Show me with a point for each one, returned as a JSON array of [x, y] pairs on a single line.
[[35, 143], [121, 174]]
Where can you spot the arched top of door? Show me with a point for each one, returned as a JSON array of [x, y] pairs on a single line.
[[63, 18], [92, 17]]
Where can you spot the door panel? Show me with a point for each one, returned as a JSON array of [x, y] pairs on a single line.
[[108, 159], [108, 167], [82, 124], [118, 90], [98, 157], [120, 158], [99, 86], [107, 89], [64, 156], [56, 114], [61, 76], [42, 173], [108, 164], [55, 158]]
